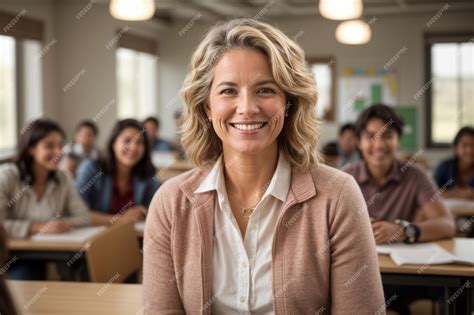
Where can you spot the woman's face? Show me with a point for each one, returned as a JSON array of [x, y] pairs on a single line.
[[379, 144], [47, 152], [464, 150], [129, 147], [246, 105]]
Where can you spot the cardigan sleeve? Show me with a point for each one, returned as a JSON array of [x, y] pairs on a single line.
[[160, 292], [355, 277]]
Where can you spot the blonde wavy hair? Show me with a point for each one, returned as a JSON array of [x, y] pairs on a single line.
[[300, 134]]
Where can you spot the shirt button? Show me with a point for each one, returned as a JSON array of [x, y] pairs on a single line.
[[242, 299], [254, 228], [244, 264]]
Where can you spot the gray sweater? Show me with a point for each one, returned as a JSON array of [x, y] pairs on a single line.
[[19, 206]]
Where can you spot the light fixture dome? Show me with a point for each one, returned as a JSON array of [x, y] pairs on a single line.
[[132, 10], [340, 9], [355, 32]]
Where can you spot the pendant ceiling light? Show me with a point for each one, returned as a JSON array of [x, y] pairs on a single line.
[[340, 9], [132, 10], [355, 32]]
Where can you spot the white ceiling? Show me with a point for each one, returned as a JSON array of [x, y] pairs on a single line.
[[224, 9]]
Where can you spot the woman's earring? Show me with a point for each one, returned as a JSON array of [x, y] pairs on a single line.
[[286, 108], [209, 118]]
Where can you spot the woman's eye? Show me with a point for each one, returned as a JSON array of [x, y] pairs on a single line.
[[265, 91], [228, 92]]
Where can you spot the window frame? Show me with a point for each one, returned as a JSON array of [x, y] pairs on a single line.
[[23, 29], [331, 62], [429, 40]]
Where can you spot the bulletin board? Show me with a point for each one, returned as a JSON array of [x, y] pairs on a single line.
[[360, 87]]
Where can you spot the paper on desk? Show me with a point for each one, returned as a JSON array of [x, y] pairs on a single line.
[[427, 253], [458, 203], [140, 226], [77, 235], [464, 250]]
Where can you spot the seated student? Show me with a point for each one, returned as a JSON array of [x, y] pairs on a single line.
[[7, 306], [152, 128], [347, 145], [394, 190], [35, 196], [330, 154], [83, 147], [456, 175], [85, 138], [121, 186]]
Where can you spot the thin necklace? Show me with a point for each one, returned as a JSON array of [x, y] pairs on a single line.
[[246, 211]]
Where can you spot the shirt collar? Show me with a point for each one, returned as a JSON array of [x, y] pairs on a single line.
[[394, 175], [278, 187]]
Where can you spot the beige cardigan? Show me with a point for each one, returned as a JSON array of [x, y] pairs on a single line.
[[323, 260]]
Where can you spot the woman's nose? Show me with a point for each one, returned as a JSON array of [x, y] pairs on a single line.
[[247, 104]]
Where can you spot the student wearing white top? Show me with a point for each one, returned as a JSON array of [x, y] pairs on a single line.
[[35, 196]]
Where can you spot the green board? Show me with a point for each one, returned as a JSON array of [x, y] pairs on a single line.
[[376, 91], [409, 115]]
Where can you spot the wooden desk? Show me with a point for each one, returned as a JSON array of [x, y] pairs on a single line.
[[50, 297], [462, 211], [30, 245], [451, 277], [460, 207], [387, 265], [177, 168], [78, 260]]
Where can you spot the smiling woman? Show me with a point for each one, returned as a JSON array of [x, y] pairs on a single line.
[[259, 224]]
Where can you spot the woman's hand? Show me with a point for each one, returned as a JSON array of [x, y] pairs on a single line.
[[387, 232], [133, 214], [58, 226]]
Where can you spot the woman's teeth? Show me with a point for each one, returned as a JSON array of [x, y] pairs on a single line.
[[248, 127]]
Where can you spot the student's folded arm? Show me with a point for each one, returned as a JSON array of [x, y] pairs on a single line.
[[355, 277], [439, 222], [160, 291], [76, 208], [14, 228]]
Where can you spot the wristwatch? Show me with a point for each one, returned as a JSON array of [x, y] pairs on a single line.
[[411, 230]]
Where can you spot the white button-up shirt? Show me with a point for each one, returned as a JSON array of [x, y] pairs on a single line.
[[242, 276]]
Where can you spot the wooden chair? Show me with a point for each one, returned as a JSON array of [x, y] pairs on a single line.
[[114, 255]]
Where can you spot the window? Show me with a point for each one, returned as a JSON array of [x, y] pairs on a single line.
[[8, 118], [325, 74], [20, 76], [450, 87], [136, 77]]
